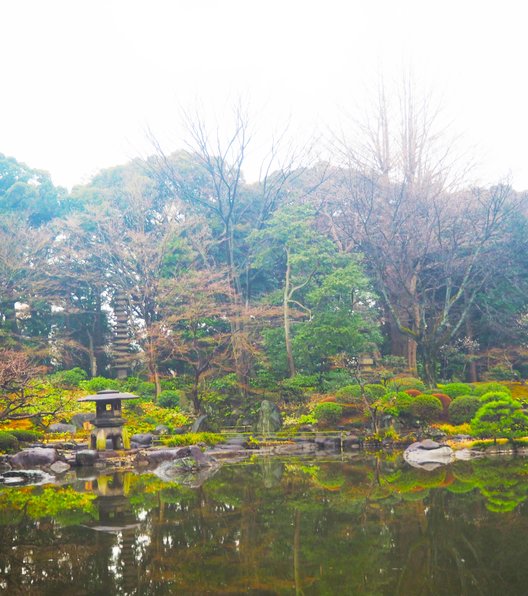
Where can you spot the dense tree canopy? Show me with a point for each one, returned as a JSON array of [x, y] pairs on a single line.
[[201, 273]]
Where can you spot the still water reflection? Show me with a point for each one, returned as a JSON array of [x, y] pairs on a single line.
[[359, 526]]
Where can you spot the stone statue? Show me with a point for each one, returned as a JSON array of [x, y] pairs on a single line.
[[269, 420]]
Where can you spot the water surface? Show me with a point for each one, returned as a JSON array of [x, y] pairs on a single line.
[[363, 525]]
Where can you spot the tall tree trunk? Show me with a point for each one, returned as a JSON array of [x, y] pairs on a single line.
[[287, 322], [153, 365], [472, 372], [91, 355], [197, 404], [429, 365]]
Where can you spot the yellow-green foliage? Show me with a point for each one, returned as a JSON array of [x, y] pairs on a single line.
[[456, 389], [194, 439], [455, 429], [403, 383], [482, 388], [145, 415], [66, 504]]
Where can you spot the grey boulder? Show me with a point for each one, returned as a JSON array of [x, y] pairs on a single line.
[[158, 455], [142, 439], [428, 454], [62, 428], [59, 467], [34, 457], [79, 419], [86, 457]]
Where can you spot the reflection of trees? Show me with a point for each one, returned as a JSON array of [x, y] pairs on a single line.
[[362, 526]]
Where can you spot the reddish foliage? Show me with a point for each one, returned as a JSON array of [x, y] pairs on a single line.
[[446, 400], [327, 399], [413, 392]]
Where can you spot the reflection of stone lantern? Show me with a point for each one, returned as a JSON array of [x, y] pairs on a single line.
[[108, 421]]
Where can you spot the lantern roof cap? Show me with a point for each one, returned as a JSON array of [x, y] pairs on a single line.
[[107, 395]]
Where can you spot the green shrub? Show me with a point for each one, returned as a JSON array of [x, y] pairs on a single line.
[[146, 389], [501, 372], [494, 396], [336, 379], [328, 413], [402, 383], [130, 384], [194, 439], [487, 387], [402, 403], [98, 384], [375, 390], [463, 408], [27, 436], [297, 388], [68, 378], [350, 394], [426, 407], [170, 398], [503, 418], [307, 419], [456, 389], [8, 442]]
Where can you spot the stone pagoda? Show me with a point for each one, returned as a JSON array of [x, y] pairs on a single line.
[[108, 421]]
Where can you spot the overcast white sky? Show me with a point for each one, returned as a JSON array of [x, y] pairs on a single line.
[[82, 80]]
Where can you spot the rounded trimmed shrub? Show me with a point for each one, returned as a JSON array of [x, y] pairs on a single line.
[[170, 398], [402, 383], [328, 413], [146, 389], [487, 387], [375, 390], [98, 384], [402, 403], [68, 378], [445, 400], [348, 394], [457, 389], [8, 442], [494, 396], [413, 392], [426, 407], [26, 435], [297, 388], [351, 394], [463, 408]]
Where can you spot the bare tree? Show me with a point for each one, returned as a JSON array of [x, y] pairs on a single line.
[[216, 189], [18, 396], [426, 241]]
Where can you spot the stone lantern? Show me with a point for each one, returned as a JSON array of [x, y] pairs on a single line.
[[108, 421]]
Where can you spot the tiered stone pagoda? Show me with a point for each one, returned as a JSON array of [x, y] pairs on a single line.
[[121, 347], [108, 421]]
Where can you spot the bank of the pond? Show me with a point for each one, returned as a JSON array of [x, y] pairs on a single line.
[[53, 462]]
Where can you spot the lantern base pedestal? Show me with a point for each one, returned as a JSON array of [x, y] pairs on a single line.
[[116, 434]]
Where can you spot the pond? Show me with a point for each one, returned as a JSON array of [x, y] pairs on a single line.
[[362, 525]]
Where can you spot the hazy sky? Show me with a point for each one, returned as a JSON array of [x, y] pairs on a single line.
[[82, 80]]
